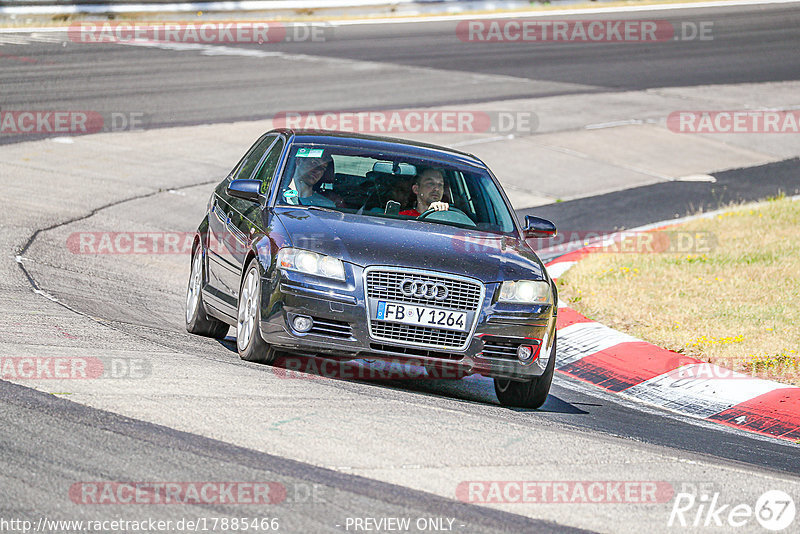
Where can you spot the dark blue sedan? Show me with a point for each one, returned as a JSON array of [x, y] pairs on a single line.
[[347, 246]]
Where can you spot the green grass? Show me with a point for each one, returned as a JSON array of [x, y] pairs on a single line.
[[736, 305]]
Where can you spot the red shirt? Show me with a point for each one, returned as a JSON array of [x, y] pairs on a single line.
[[412, 212]]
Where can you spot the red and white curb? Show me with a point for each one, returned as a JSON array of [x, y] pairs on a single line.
[[620, 363]]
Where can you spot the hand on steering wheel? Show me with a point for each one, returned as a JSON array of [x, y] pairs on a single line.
[[433, 210]]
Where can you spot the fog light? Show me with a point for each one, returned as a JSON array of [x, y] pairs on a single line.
[[525, 353], [302, 323]]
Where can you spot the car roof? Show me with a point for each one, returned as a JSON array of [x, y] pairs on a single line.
[[391, 144]]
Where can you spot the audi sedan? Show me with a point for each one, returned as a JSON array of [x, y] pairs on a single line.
[[344, 246]]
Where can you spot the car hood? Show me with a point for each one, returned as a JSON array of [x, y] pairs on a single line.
[[367, 240]]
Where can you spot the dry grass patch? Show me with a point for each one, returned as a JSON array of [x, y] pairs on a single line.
[[736, 305]]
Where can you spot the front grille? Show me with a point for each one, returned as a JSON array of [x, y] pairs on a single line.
[[505, 351], [418, 334], [413, 351], [462, 294], [331, 327]]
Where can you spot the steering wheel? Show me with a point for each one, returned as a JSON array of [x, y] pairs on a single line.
[[452, 214], [431, 210]]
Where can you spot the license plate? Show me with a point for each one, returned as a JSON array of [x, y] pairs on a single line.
[[421, 316]]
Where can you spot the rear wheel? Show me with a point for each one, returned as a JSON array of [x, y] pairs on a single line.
[[529, 394], [197, 320], [250, 344]]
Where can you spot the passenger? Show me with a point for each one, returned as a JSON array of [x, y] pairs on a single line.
[[429, 188], [307, 174], [400, 190]]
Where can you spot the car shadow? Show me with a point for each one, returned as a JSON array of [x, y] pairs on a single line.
[[554, 404], [441, 382], [229, 342]]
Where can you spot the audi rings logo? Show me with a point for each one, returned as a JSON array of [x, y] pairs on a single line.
[[423, 290]]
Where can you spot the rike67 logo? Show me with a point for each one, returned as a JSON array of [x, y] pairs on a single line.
[[774, 510]]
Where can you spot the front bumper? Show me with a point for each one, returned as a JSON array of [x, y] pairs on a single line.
[[339, 311]]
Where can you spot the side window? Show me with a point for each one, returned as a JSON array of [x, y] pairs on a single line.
[[249, 162], [267, 170]]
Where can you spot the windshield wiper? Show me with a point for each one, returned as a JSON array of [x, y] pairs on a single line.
[[320, 208]]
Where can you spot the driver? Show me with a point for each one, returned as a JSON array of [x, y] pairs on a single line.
[[307, 174], [429, 188]]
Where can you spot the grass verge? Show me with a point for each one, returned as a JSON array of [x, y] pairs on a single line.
[[723, 289]]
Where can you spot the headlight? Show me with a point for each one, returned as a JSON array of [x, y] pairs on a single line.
[[309, 262], [525, 292]]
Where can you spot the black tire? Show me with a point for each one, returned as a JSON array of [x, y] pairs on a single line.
[[529, 394], [254, 349], [197, 320]]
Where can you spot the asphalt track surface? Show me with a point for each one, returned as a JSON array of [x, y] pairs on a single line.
[[750, 44], [57, 434], [49, 437], [640, 206]]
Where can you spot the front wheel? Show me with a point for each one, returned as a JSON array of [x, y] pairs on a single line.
[[197, 320], [529, 394], [250, 344]]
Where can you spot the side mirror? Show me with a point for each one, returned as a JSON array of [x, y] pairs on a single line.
[[538, 227], [245, 189]]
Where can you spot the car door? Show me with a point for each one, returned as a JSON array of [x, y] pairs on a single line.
[[225, 237]]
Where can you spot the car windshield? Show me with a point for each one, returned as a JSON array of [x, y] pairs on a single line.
[[393, 185]]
